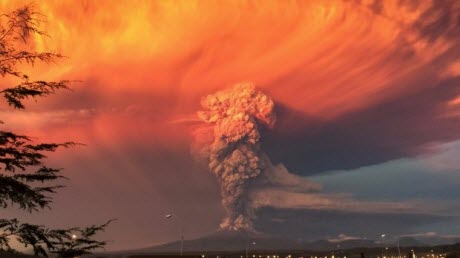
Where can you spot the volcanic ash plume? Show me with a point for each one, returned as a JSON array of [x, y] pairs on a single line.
[[234, 153]]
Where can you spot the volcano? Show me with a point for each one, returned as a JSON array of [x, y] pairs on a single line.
[[231, 241], [239, 240]]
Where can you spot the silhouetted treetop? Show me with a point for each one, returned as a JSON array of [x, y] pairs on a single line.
[[19, 25], [25, 180]]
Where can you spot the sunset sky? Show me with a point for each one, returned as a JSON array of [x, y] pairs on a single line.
[[367, 98]]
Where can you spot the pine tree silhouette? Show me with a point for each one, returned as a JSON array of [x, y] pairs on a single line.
[[25, 182]]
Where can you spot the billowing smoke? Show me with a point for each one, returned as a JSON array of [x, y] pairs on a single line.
[[237, 115], [231, 146]]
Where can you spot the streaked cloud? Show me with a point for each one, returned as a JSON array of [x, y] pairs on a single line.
[[360, 87]]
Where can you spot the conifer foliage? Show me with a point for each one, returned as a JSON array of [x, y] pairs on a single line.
[[25, 181]]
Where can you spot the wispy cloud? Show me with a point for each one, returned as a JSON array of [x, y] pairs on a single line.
[[343, 237]]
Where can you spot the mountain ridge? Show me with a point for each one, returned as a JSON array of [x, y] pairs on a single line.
[[242, 240]]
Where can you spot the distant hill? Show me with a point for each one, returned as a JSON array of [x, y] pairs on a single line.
[[229, 241], [238, 241], [428, 241], [410, 241], [322, 245]]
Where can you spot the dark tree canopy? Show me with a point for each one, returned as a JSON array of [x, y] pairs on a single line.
[[25, 181]]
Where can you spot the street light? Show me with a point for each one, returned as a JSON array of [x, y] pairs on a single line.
[[386, 248], [247, 247], [170, 216], [383, 242]]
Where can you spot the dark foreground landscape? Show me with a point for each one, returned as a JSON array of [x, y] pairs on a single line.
[[445, 251], [442, 251], [233, 246]]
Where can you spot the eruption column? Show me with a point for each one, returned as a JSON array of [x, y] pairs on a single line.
[[234, 155]]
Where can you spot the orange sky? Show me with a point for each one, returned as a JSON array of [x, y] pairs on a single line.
[[144, 65], [324, 58]]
